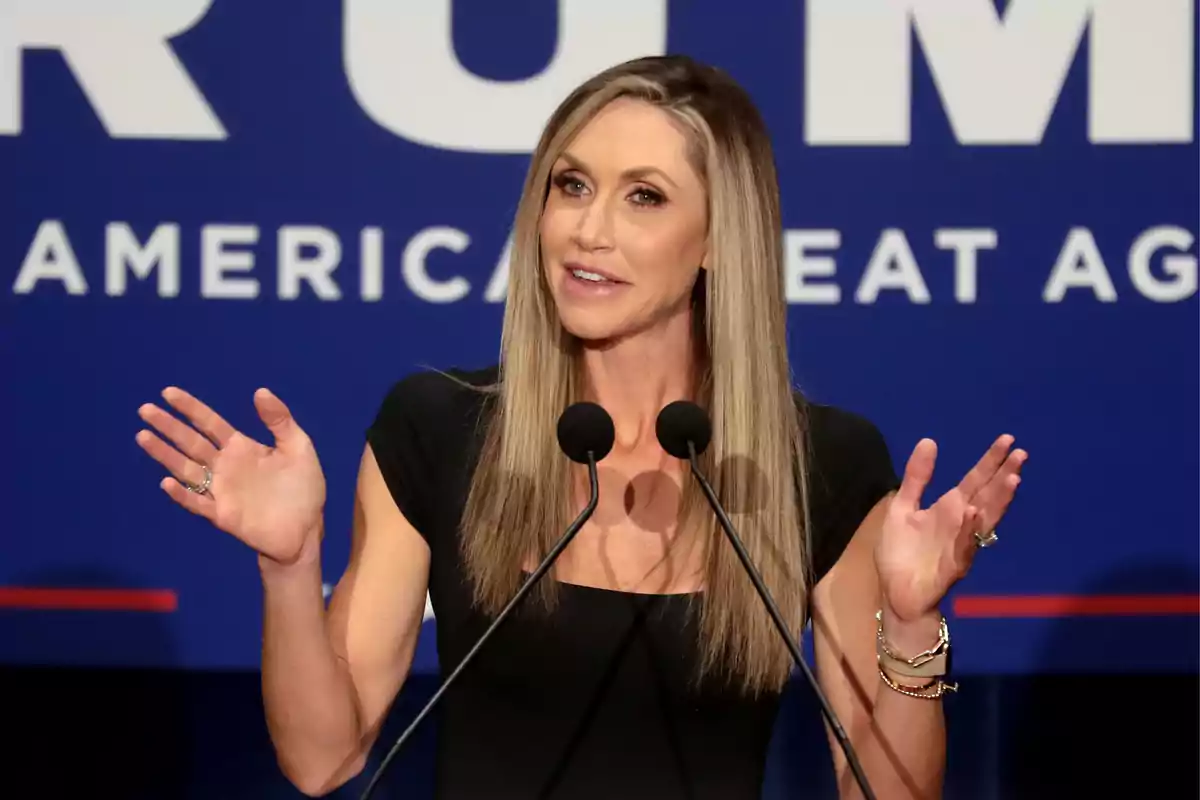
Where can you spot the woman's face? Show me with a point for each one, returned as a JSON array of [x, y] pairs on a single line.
[[624, 228]]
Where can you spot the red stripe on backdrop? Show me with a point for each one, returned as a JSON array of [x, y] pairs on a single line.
[[978, 606], [1002, 606], [56, 599]]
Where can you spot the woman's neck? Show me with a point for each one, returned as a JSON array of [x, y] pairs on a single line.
[[634, 378]]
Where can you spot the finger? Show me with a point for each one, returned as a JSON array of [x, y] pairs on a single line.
[[917, 473], [200, 504], [179, 465], [208, 421], [986, 467], [994, 501], [1012, 466], [190, 442], [966, 546], [275, 415], [994, 497]]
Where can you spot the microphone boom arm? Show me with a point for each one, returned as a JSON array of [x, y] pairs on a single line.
[[838, 731], [589, 509]]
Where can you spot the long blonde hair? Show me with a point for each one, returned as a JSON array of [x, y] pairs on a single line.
[[520, 497]]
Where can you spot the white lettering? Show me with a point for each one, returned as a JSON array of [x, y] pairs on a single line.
[[1181, 266], [216, 261], [999, 79], [497, 288], [1079, 266], [965, 242], [416, 272], [1161, 260], [892, 266], [50, 257], [121, 55], [316, 270], [371, 264], [121, 248], [800, 265], [402, 69]]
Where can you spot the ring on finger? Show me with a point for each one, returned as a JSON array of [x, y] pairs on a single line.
[[986, 539], [202, 487]]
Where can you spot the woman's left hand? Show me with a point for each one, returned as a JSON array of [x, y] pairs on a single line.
[[922, 553]]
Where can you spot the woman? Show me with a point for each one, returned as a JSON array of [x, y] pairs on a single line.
[[646, 268]]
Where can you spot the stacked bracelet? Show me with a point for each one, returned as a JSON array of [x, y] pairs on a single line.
[[933, 664], [929, 691]]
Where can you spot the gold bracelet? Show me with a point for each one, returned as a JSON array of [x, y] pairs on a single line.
[[930, 691], [932, 663], [927, 685]]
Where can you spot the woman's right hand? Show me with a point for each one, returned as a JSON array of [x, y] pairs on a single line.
[[272, 498]]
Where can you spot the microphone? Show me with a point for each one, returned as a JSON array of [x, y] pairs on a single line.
[[585, 434], [684, 431]]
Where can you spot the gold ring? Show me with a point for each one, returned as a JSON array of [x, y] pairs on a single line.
[[203, 487], [982, 540]]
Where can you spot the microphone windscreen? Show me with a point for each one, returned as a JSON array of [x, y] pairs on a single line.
[[584, 428], [681, 422]]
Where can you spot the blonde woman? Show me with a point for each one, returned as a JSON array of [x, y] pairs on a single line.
[[645, 269]]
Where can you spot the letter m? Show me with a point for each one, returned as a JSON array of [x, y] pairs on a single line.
[[999, 75]]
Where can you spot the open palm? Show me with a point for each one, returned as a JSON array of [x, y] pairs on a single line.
[[922, 553], [270, 497]]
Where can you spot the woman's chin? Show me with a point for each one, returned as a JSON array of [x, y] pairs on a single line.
[[592, 327], [590, 331]]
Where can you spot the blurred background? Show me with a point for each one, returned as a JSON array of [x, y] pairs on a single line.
[[991, 212]]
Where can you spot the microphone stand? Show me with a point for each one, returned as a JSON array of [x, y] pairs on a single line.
[[594, 488], [838, 731]]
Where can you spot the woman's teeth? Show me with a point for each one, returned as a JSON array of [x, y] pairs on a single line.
[[588, 276]]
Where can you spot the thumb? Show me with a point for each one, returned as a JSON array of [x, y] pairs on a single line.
[[275, 415], [917, 473]]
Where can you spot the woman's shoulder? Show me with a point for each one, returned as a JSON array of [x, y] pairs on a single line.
[[425, 428], [431, 389], [432, 414], [841, 439], [435, 401], [849, 470]]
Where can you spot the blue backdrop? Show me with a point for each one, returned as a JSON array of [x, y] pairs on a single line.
[[991, 227]]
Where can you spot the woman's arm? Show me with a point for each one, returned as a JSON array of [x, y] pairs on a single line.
[[902, 560], [329, 676], [900, 740]]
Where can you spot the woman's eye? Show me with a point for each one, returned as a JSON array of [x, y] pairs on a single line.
[[648, 197], [569, 184], [573, 186]]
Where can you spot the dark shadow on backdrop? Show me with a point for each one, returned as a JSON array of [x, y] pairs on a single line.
[[1128, 729], [88, 730], [137, 733]]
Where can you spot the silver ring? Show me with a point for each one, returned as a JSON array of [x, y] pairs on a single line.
[[986, 541], [203, 487]]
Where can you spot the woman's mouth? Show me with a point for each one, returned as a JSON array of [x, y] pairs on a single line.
[[590, 274], [591, 282]]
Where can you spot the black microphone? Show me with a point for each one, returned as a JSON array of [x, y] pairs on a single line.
[[585, 435], [684, 431]]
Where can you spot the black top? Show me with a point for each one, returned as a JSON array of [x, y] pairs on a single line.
[[596, 701]]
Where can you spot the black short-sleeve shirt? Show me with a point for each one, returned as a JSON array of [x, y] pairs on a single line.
[[597, 701]]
